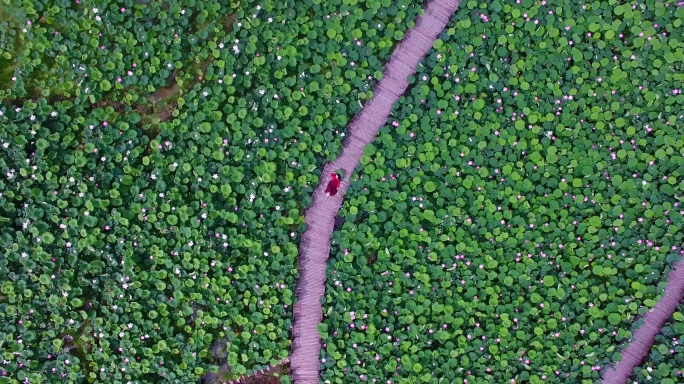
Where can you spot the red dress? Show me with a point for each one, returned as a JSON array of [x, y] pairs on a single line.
[[333, 185]]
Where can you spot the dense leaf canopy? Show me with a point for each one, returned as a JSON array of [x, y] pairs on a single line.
[[522, 204], [157, 158], [515, 215]]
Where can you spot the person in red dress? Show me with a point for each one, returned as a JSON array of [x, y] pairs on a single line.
[[333, 185]]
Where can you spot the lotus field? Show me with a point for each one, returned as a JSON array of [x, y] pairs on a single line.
[[513, 222]]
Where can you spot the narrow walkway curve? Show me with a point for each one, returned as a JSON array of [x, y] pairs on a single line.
[[320, 216], [642, 340]]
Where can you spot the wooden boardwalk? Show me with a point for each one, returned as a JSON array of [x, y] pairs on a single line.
[[643, 338], [320, 216]]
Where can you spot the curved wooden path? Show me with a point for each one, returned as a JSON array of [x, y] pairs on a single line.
[[320, 216], [643, 338]]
